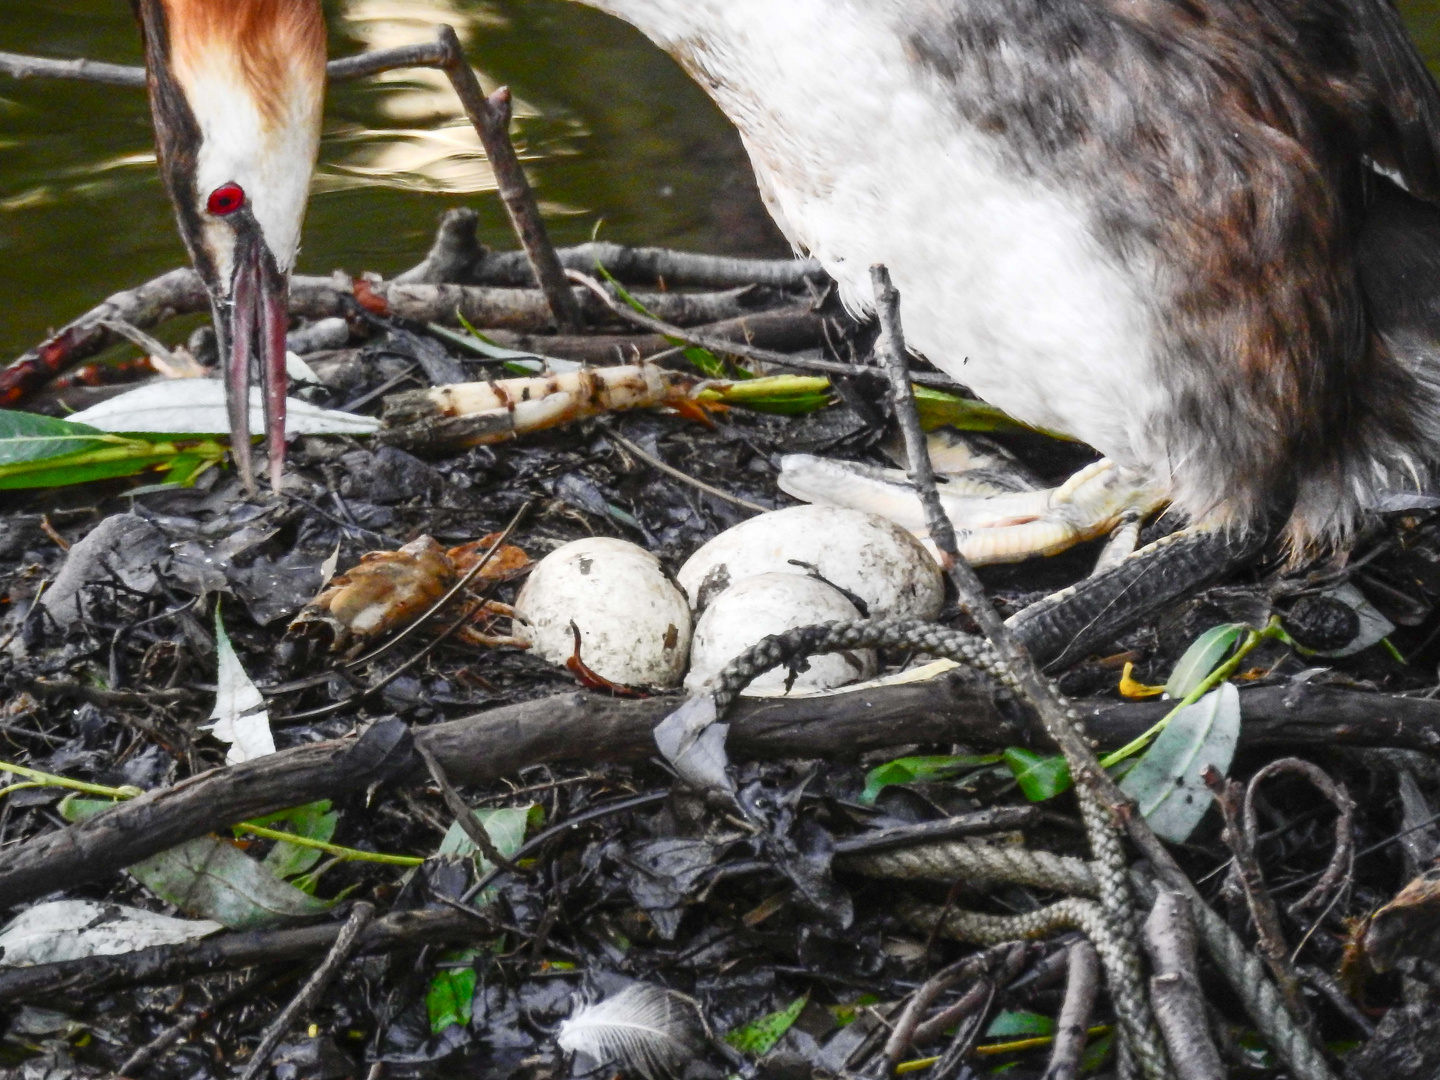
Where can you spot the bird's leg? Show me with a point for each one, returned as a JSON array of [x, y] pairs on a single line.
[[992, 525]]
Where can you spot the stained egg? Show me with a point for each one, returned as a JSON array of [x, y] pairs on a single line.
[[766, 604], [867, 556], [634, 622]]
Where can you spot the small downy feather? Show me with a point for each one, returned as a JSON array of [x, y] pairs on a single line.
[[644, 1030]]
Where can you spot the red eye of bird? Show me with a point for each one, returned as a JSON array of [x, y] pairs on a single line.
[[226, 199]]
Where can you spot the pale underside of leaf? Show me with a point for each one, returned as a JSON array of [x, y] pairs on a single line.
[[76, 929], [197, 407], [1167, 782], [240, 715]]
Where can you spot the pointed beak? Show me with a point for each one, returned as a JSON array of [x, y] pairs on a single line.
[[251, 326]]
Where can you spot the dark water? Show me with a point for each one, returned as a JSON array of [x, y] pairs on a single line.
[[613, 130], [615, 133]]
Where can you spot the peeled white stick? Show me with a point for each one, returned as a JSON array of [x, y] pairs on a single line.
[[1175, 990], [1081, 984]]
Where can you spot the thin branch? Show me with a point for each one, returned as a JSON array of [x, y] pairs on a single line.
[[685, 478], [464, 815], [1271, 944], [183, 1028], [360, 916], [491, 118], [740, 349], [18, 66], [1342, 860], [1175, 989]]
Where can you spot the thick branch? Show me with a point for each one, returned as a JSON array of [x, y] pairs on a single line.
[[181, 292], [587, 728], [578, 728]]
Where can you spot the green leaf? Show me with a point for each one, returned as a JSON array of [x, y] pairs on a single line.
[[907, 770], [450, 999], [706, 362], [30, 437], [76, 807], [1097, 1052], [101, 458], [1017, 1023], [1040, 778], [505, 827], [525, 363], [314, 821], [1205, 654], [1167, 782], [759, 1037], [210, 879], [939, 409]]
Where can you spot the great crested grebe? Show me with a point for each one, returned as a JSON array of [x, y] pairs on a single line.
[[236, 89], [1199, 235]]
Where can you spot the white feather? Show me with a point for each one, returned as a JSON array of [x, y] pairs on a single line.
[[643, 1029]]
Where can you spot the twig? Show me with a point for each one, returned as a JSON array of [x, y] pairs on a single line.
[[491, 119], [670, 470], [96, 71], [360, 916], [736, 348], [1175, 989], [903, 1033], [953, 1059], [540, 839], [18, 66], [241, 949], [1101, 803], [1271, 944], [991, 819], [139, 338], [1082, 983], [1337, 872], [464, 816], [182, 1028]]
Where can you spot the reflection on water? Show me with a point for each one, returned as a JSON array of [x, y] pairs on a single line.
[[436, 149], [610, 129]]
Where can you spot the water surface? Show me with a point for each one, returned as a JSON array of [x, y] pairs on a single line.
[[613, 132]]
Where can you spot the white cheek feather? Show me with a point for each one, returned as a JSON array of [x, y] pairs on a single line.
[[860, 161], [271, 161]]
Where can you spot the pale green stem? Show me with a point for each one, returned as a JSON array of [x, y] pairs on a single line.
[[353, 854], [44, 779], [1253, 638], [51, 780]]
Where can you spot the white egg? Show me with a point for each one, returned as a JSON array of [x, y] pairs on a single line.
[[771, 604], [634, 623], [863, 554]]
